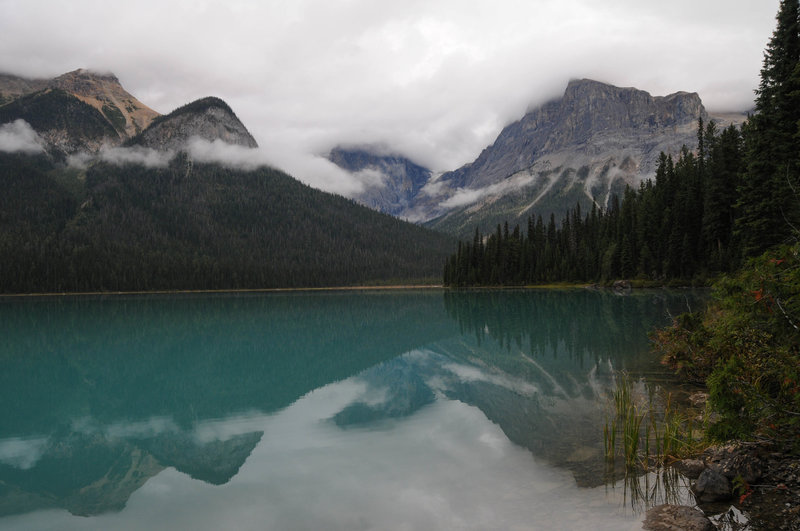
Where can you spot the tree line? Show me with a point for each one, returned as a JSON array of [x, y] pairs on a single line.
[[678, 226], [194, 226]]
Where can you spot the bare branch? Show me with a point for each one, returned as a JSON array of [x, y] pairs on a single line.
[[778, 300]]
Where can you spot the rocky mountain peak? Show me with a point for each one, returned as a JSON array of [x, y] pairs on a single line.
[[583, 147], [79, 111], [207, 118], [83, 76], [104, 92]]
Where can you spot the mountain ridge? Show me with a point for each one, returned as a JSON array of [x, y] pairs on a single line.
[[208, 118], [581, 148], [102, 91]]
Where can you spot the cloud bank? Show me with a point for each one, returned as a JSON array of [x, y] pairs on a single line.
[[434, 79], [19, 136], [136, 155]]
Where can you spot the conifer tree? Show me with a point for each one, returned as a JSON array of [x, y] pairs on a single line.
[[767, 205]]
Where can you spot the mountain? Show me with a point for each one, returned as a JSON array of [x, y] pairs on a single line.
[[208, 118], [117, 225], [104, 92], [12, 87], [582, 148], [65, 123], [585, 146], [392, 181], [76, 112], [194, 226]]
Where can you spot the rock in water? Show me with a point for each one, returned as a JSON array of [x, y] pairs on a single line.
[[676, 518], [712, 486]]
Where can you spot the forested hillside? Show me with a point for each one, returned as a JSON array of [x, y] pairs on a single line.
[[682, 226], [193, 226]]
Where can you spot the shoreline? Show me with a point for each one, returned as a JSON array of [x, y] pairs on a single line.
[[393, 287], [371, 287]]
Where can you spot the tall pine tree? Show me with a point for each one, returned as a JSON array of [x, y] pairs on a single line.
[[767, 206]]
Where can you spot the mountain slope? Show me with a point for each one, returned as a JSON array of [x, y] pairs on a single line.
[[584, 147], [104, 92], [12, 87], [392, 182], [195, 226], [208, 118], [126, 115], [64, 122]]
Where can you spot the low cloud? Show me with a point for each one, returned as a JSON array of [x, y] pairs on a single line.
[[468, 196], [371, 178], [314, 170], [19, 136], [229, 155], [147, 157], [433, 80]]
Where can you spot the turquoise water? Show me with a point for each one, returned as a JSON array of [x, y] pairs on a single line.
[[325, 410]]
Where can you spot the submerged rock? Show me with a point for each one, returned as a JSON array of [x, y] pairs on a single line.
[[676, 517]]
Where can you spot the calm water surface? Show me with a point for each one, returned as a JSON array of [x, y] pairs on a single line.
[[402, 410]]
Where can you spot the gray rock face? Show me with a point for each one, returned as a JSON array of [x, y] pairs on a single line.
[[676, 518], [591, 117], [391, 182], [208, 119], [582, 148]]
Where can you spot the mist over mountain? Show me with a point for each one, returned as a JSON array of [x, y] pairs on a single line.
[[391, 182], [185, 203], [78, 112], [583, 147]]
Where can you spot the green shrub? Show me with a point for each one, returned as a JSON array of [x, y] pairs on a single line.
[[747, 347]]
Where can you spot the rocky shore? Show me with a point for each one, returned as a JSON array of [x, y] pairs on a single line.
[[752, 486]]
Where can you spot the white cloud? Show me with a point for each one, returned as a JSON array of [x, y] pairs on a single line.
[[371, 178], [19, 136], [230, 155], [468, 196], [22, 453], [434, 79], [148, 157]]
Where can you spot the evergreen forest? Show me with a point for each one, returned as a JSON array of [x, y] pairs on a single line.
[[679, 227], [193, 226]]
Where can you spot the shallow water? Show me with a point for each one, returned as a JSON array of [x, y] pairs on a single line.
[[410, 410]]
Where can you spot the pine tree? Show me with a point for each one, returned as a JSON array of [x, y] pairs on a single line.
[[767, 205], [725, 161]]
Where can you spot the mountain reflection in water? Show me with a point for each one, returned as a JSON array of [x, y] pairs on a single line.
[[103, 394]]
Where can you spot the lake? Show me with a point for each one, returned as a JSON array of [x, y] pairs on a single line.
[[346, 410]]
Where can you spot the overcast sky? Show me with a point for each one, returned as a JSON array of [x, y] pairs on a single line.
[[435, 80]]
